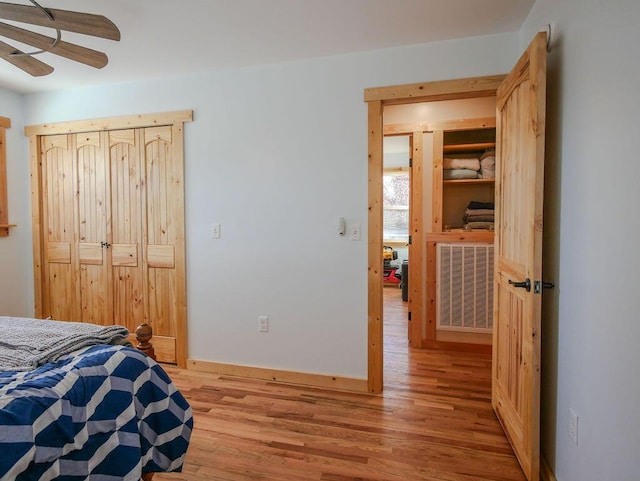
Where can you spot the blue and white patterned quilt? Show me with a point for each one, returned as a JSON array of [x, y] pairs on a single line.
[[103, 413]]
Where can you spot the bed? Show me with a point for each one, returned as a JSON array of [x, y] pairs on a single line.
[[96, 409]]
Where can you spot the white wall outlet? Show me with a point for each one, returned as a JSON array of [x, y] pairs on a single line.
[[263, 324], [355, 232], [215, 231], [573, 426]]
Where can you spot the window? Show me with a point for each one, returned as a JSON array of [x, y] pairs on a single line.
[[395, 211]]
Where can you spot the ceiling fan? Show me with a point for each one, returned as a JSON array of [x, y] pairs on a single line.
[[78, 22]]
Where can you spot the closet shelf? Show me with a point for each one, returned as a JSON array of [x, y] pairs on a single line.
[[468, 181], [460, 148]]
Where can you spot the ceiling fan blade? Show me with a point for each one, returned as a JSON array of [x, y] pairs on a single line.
[[64, 49], [78, 22], [29, 64]]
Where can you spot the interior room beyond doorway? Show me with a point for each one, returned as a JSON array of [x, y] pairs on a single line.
[[400, 123]]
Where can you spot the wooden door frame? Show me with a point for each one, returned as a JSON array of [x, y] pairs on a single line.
[[416, 154], [377, 98], [35, 133]]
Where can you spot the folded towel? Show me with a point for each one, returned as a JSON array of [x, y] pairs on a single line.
[[479, 225], [471, 164], [488, 168], [488, 153], [481, 205], [479, 218], [479, 212], [458, 174]]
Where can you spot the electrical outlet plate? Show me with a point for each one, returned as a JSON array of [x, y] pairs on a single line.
[[263, 324], [573, 425]]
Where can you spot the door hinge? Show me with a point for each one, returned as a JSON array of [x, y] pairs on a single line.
[[539, 285], [410, 240], [409, 316], [410, 162]]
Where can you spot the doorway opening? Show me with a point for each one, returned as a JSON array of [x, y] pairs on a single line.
[[380, 101]]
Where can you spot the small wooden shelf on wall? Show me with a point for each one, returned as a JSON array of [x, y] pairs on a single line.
[[4, 229]]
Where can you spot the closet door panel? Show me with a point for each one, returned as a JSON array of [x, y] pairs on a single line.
[[126, 228], [58, 222], [163, 228], [93, 212], [108, 225]]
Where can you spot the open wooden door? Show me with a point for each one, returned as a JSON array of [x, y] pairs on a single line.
[[518, 251]]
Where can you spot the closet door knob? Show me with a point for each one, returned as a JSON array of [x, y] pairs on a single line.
[[526, 284]]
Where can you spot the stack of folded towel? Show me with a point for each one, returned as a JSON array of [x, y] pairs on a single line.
[[458, 168], [461, 168], [488, 164], [479, 215]]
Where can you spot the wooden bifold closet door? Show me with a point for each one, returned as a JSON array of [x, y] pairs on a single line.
[[112, 231]]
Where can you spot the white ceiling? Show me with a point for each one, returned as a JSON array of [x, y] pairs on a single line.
[[174, 37]]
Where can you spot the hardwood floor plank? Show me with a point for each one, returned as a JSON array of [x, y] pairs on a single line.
[[433, 422]]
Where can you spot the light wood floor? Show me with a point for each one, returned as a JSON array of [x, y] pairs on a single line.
[[433, 422]]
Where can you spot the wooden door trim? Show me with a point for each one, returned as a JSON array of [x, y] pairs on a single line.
[[111, 123], [416, 258], [35, 133], [464, 88], [416, 211], [5, 123], [374, 292], [377, 98]]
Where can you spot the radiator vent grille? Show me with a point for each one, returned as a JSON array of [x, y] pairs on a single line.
[[465, 287]]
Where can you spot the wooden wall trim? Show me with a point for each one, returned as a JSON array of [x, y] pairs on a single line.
[[375, 337], [35, 173], [111, 123], [462, 124], [416, 249], [441, 90], [461, 236], [180, 247], [4, 195], [405, 129], [436, 184], [276, 375]]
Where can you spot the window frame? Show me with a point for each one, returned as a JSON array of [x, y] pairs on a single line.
[[396, 241]]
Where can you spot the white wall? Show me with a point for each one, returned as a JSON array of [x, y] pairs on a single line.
[[16, 259], [276, 154], [591, 328]]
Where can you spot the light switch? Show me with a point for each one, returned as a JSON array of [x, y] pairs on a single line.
[[355, 232], [215, 231]]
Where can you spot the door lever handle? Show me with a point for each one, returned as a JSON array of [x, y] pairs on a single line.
[[526, 284]]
